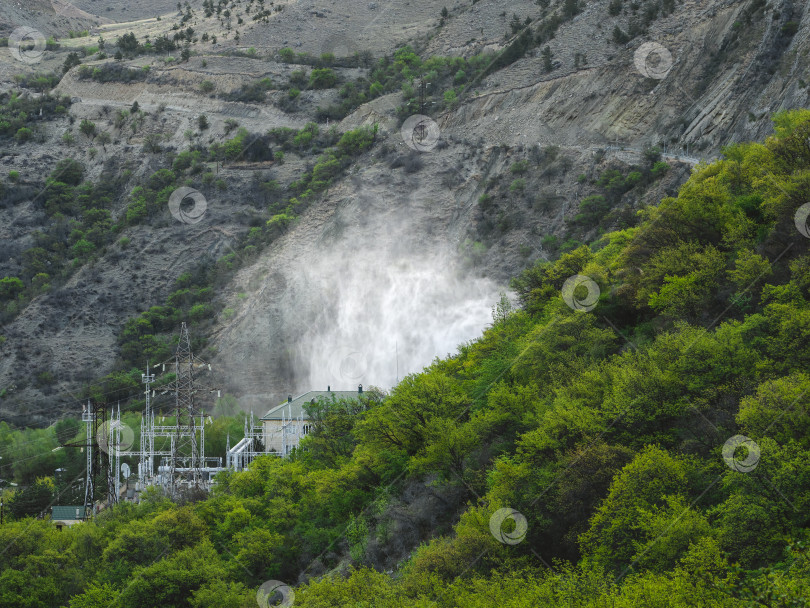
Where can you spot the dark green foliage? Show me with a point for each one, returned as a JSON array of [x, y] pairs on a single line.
[[245, 146], [79, 225], [331, 438], [10, 287], [112, 72], [23, 112], [39, 82], [513, 52], [592, 209], [71, 61], [254, 92], [31, 500], [546, 55], [128, 44], [619, 36], [322, 78]]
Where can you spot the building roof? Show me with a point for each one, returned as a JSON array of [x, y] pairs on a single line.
[[67, 513], [295, 408]]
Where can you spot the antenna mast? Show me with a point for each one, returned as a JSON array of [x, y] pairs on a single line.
[[88, 417]]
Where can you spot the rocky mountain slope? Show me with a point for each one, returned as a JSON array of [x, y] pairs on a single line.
[[403, 256]]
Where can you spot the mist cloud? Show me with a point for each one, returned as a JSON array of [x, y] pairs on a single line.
[[374, 316]]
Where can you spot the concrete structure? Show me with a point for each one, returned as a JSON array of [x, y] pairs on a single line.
[[285, 425], [67, 516]]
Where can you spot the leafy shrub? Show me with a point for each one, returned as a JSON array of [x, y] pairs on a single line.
[[322, 78]]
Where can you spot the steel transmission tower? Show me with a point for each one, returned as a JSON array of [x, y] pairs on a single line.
[[98, 432], [178, 446], [113, 430], [188, 440]]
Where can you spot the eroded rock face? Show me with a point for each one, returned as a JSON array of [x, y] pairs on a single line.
[[369, 286]]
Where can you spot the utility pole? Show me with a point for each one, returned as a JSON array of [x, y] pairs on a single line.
[[89, 418], [94, 417], [112, 497], [147, 430], [116, 469]]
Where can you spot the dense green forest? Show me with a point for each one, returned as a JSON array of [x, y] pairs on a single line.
[[603, 416]]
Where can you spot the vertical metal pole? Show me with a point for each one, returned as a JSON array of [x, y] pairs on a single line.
[[176, 438], [89, 494], [202, 447], [147, 447], [117, 471], [151, 459], [110, 462]]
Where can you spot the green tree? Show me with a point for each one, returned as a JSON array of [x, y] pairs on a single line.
[[88, 128], [83, 248], [547, 56], [222, 594], [686, 277], [95, 596], [10, 287], [322, 78], [23, 134], [32, 500], [416, 400], [173, 580], [620, 529], [71, 61], [104, 138], [355, 142]]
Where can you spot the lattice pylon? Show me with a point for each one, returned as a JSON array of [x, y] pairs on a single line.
[[187, 443], [88, 417]]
